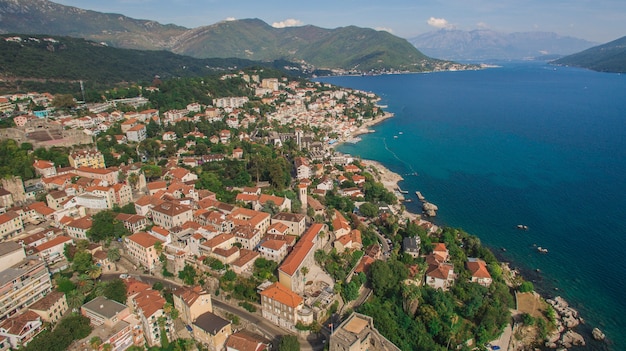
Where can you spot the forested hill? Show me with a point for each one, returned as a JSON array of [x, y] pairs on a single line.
[[609, 57], [56, 64], [345, 48]]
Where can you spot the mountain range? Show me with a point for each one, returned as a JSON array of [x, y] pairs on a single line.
[[344, 48], [483, 44]]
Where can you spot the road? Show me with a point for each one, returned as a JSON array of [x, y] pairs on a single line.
[[259, 324]]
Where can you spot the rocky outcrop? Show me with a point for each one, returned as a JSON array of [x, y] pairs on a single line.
[[571, 338], [597, 334], [566, 319], [430, 209]]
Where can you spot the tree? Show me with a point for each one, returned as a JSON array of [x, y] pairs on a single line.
[[133, 179], [350, 291], [188, 275], [84, 284], [526, 287], [105, 226], [115, 290], [65, 285], [95, 342], [113, 254], [368, 209], [94, 271], [82, 262], [64, 102], [75, 299], [289, 343]]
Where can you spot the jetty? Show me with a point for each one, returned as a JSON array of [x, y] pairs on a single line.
[[420, 196], [401, 191]]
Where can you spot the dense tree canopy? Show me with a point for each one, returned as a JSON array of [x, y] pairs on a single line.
[[70, 328], [105, 226]]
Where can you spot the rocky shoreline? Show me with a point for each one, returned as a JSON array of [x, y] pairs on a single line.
[[568, 320]]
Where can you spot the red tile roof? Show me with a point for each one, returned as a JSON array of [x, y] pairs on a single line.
[[478, 268], [144, 239], [301, 250], [278, 292]]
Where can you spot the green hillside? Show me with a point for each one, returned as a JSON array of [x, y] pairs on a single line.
[[62, 61], [609, 57], [346, 48]]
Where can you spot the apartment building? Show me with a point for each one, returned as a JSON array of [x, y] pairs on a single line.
[[140, 246], [87, 158], [169, 214], [22, 281]]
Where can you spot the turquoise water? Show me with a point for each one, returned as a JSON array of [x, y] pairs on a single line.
[[521, 144]]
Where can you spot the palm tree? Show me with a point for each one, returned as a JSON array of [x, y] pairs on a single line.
[[94, 271], [84, 284], [99, 288], [95, 342], [133, 179], [113, 255], [75, 299]]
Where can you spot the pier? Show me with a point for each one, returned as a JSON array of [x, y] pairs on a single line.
[[420, 196]]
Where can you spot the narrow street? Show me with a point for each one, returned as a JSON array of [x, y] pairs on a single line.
[[254, 321]]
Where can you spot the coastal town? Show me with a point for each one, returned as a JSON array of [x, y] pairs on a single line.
[[238, 226]]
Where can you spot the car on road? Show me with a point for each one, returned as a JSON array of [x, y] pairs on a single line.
[[124, 276]]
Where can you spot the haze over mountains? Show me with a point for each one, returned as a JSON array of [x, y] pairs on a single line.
[[347, 48], [483, 44]]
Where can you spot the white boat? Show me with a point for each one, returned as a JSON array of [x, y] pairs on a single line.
[[522, 227], [542, 250]]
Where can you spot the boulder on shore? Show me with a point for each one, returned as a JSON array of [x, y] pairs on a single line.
[[430, 209], [571, 338], [598, 334]]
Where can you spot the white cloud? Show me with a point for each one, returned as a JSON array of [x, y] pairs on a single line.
[[482, 25], [290, 22], [384, 29], [228, 19], [439, 23]]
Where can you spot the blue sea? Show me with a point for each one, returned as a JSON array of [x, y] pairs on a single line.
[[523, 143]]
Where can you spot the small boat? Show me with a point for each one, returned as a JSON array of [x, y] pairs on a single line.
[[408, 200], [395, 137], [400, 133], [522, 227], [542, 250]]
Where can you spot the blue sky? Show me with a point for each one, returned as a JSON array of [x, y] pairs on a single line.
[[600, 20]]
